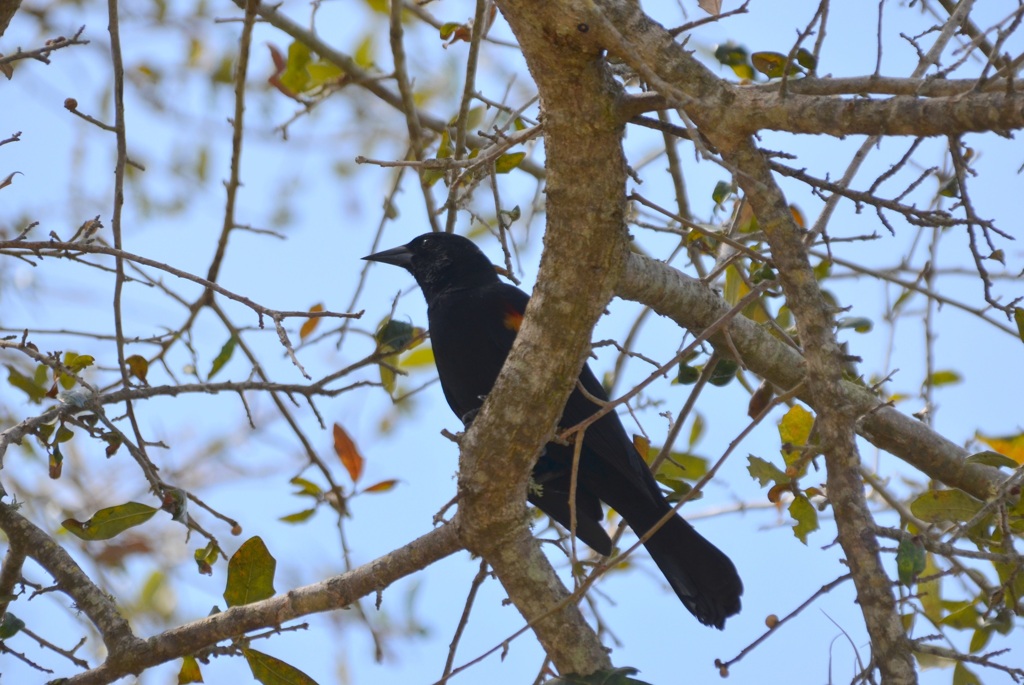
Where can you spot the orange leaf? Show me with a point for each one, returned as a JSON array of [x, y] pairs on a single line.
[[310, 325], [350, 457], [382, 486]]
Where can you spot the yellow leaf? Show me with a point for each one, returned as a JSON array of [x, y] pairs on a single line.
[[310, 324], [295, 77], [422, 356], [507, 163], [189, 672], [323, 72], [364, 52], [643, 446], [1011, 446], [138, 366]]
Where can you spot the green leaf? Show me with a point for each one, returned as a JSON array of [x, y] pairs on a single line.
[[806, 517], [723, 189], [687, 375], [765, 472], [35, 391], [298, 517], [322, 72], [963, 676], [930, 591], [475, 117], [723, 373], [189, 672], [205, 559], [680, 466], [944, 378], [990, 458], [10, 626], [822, 270], [806, 59], [445, 148], [106, 523], [1018, 317], [272, 671], [306, 487], [980, 639], [75, 363], [363, 55], [508, 162], [938, 506], [962, 616], [295, 77], [765, 273], [223, 356], [910, 560], [250, 574], [448, 28], [697, 429]]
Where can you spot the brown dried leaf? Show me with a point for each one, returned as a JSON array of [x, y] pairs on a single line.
[[712, 7], [347, 452]]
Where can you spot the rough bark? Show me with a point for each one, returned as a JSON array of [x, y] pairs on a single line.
[[583, 257]]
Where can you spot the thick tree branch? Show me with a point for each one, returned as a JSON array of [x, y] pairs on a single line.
[[835, 419], [334, 593], [583, 257], [696, 307], [654, 54], [901, 115], [72, 580]]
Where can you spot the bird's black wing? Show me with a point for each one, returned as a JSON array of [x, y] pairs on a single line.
[[472, 332]]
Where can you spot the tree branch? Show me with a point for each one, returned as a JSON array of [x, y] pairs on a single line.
[[583, 257], [334, 593], [72, 580], [959, 110], [696, 307]]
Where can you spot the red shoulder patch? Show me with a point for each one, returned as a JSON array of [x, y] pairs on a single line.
[[512, 318]]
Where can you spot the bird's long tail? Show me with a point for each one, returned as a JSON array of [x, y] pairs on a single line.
[[703, 577]]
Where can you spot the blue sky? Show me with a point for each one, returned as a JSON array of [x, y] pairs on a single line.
[[329, 219]]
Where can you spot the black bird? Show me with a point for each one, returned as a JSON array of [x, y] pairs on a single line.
[[473, 319]]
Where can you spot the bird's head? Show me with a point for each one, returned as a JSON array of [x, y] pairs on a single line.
[[440, 262]]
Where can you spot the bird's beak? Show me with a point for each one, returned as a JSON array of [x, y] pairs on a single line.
[[397, 256]]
